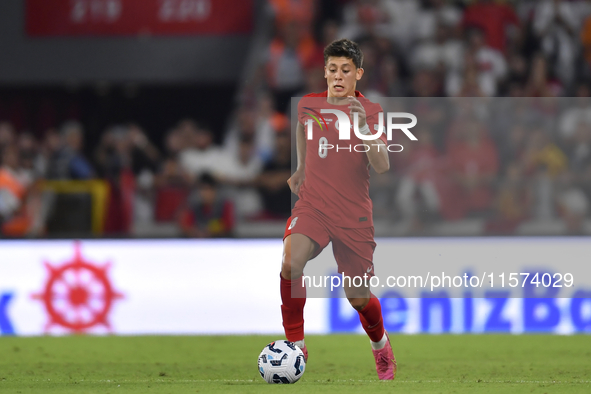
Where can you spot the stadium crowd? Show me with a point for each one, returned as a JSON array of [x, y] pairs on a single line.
[[524, 156]]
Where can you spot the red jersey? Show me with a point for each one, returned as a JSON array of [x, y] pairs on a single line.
[[337, 182]]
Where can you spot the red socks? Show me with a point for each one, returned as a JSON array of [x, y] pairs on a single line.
[[371, 319], [292, 309], [293, 296]]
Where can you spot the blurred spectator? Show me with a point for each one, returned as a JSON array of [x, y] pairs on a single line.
[[20, 201], [171, 182], [556, 24], [145, 156], [145, 159], [572, 204], [126, 148], [171, 174], [516, 75], [544, 155], [392, 85], [579, 148], [512, 203], [208, 214], [513, 146], [200, 155], [31, 162], [187, 130], [473, 165], [171, 190], [12, 189], [258, 125], [288, 55], [438, 14], [418, 193], [272, 182], [287, 11], [483, 64], [315, 82], [373, 18], [68, 162], [543, 161], [471, 83], [174, 143], [400, 21], [371, 84], [7, 134], [539, 83], [585, 37], [426, 83], [440, 52], [329, 33], [578, 113], [48, 149], [493, 18], [238, 174], [126, 159]]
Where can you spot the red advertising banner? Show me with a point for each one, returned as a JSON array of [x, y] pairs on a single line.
[[137, 17]]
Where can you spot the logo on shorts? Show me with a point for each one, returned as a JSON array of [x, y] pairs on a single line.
[[370, 269], [293, 223]]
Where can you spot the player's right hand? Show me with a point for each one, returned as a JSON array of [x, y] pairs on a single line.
[[295, 182]]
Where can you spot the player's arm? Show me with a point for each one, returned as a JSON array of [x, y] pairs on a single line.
[[296, 180], [377, 153]]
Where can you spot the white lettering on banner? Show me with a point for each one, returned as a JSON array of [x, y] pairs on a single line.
[[108, 11], [184, 10]]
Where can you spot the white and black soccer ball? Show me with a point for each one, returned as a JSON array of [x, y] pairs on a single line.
[[281, 362]]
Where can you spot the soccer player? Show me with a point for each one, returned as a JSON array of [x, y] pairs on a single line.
[[334, 204]]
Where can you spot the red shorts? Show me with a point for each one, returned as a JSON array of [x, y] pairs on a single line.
[[352, 247]]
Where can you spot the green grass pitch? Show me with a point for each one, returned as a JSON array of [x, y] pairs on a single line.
[[338, 364]]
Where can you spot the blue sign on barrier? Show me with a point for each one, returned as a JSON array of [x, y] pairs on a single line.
[[6, 327]]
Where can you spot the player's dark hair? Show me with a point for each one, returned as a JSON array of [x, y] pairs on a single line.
[[344, 48]]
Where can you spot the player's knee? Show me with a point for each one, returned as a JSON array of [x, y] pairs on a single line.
[[286, 265], [358, 303], [290, 268]]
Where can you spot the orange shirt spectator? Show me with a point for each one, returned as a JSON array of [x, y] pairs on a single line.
[[301, 11], [586, 40], [304, 48], [12, 190]]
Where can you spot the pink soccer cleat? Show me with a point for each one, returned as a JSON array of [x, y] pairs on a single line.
[[305, 351], [385, 362]]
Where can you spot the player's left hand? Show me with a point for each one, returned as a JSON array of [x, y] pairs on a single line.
[[355, 106]]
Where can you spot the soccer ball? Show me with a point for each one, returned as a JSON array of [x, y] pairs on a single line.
[[281, 362]]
